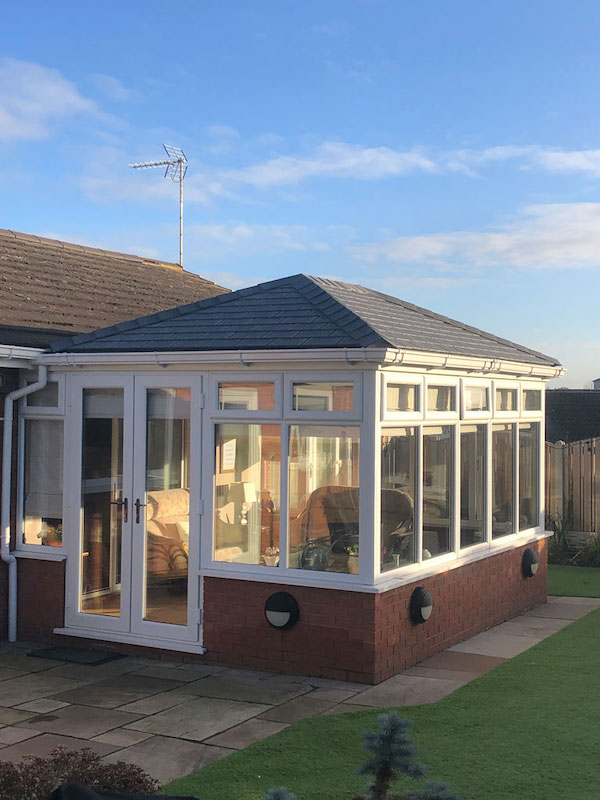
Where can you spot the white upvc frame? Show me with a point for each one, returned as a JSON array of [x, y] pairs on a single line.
[[214, 379], [45, 411], [514, 386], [441, 380], [475, 383], [487, 483], [540, 475], [537, 387], [291, 378], [404, 379]]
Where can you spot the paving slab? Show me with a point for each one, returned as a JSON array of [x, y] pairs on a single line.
[[88, 673], [500, 645], [42, 706], [247, 733], [328, 683], [462, 662], [175, 673], [166, 758], [16, 691], [10, 716], [405, 690], [79, 721], [158, 702], [448, 674], [11, 735], [299, 708], [593, 602], [271, 691], [46, 743], [563, 609], [117, 691], [536, 627], [122, 737], [7, 672], [199, 719], [332, 695], [344, 708], [18, 659]]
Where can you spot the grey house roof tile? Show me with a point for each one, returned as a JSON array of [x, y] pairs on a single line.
[[300, 312]]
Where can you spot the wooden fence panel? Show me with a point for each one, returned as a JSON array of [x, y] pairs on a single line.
[[573, 483]]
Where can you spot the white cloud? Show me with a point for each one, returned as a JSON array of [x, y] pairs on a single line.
[[206, 241], [33, 97], [552, 236], [111, 87]]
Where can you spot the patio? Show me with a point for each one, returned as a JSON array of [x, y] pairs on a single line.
[[173, 718]]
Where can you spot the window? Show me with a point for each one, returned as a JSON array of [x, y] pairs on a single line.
[[246, 396], [323, 498], [402, 397], [441, 398], [46, 397], [437, 489], [506, 400], [247, 472], [529, 467], [42, 486], [477, 398], [532, 400], [503, 502], [472, 484], [321, 396], [398, 489]]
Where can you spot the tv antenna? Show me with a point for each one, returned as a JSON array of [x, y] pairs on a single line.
[[176, 168]]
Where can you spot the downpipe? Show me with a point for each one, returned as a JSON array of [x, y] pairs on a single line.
[[7, 444]]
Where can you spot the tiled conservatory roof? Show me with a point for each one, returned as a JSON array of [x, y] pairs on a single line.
[[300, 312]]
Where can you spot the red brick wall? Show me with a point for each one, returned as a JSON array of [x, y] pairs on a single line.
[[345, 635], [365, 637]]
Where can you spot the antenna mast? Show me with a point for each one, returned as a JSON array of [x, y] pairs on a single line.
[[176, 168]]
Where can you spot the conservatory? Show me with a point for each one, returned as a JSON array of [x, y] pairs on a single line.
[[291, 477]]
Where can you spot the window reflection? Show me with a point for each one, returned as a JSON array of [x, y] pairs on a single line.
[[398, 478], [506, 399], [502, 480], [324, 497], [476, 398], [441, 398], [246, 396], [247, 472], [437, 490], [42, 490], [529, 454], [402, 397], [532, 400], [472, 484], [323, 396]]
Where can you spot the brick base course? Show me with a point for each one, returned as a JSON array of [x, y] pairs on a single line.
[[345, 635]]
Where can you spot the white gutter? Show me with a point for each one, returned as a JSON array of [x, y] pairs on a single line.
[[376, 355], [7, 556]]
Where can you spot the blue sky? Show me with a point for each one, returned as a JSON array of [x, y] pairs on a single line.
[[445, 152]]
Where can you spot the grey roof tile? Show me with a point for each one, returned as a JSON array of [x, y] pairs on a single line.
[[301, 312]]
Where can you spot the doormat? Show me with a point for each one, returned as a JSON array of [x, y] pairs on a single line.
[[74, 656]]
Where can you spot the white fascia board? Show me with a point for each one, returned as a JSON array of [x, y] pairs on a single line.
[[351, 356], [16, 356]]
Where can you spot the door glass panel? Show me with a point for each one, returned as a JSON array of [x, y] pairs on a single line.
[[167, 505], [102, 501]]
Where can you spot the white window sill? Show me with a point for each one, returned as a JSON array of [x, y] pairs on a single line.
[[43, 555]]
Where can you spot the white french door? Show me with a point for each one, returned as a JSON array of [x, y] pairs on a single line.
[[132, 489]]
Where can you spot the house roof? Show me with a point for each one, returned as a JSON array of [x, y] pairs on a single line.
[[572, 414], [300, 312], [51, 289]]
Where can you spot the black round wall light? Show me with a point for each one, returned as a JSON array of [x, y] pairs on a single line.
[[530, 563], [281, 610], [421, 605]]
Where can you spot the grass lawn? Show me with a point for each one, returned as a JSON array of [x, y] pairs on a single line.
[[528, 729], [573, 581]]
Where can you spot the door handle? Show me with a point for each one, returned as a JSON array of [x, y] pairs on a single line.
[[138, 505], [122, 504]]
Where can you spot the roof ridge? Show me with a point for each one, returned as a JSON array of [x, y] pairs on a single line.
[[17, 235], [440, 317]]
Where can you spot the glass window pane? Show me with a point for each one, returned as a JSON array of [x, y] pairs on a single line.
[[472, 484], [323, 497], [529, 464], [503, 502], [532, 400], [402, 397], [42, 489], [477, 398], [46, 397], [247, 478], [437, 490], [323, 396], [247, 396], [441, 398], [102, 496], [167, 505], [506, 399], [398, 479]]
